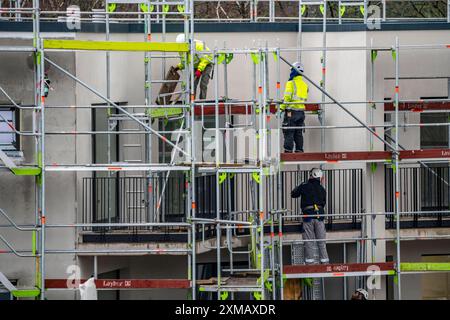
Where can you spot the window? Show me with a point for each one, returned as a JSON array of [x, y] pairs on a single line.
[[435, 189], [9, 116], [435, 195]]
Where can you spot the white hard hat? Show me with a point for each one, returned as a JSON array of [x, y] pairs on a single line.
[[316, 173], [298, 66], [364, 293], [181, 38]]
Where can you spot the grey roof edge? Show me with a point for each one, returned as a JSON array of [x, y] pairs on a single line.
[[13, 26]]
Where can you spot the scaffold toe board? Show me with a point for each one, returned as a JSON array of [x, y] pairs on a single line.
[[338, 270], [417, 106], [122, 284], [26, 171], [114, 45]]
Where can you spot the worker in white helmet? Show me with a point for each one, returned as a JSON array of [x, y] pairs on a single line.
[[202, 68], [313, 200], [295, 94]]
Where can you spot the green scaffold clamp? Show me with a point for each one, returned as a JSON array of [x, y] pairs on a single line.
[[342, 11], [165, 8], [303, 9], [180, 8], [164, 112], [308, 282], [284, 277], [224, 295], [267, 283], [144, 7], [112, 7], [222, 177], [275, 56], [373, 167], [394, 168]]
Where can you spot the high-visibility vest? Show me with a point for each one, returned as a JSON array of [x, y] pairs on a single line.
[[296, 90], [201, 60]]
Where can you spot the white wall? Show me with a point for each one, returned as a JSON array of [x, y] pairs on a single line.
[[347, 79], [412, 251], [17, 194], [417, 63]]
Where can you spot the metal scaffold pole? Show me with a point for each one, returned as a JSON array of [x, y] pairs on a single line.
[[262, 133]]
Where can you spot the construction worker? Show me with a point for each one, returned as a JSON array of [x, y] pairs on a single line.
[[360, 294], [313, 200], [295, 92], [202, 65]]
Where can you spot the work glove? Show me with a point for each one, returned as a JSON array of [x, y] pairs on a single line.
[[176, 68], [198, 73]]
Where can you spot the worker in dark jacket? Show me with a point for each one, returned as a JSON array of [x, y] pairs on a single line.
[[313, 200]]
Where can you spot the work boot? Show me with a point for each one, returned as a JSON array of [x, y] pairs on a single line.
[[288, 151], [299, 151]]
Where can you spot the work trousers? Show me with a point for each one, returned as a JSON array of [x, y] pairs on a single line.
[[293, 118], [203, 80], [315, 229]]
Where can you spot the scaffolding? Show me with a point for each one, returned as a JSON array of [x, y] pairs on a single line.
[[263, 221]]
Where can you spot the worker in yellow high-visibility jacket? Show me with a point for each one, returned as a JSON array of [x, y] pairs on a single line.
[[202, 65], [296, 94]]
